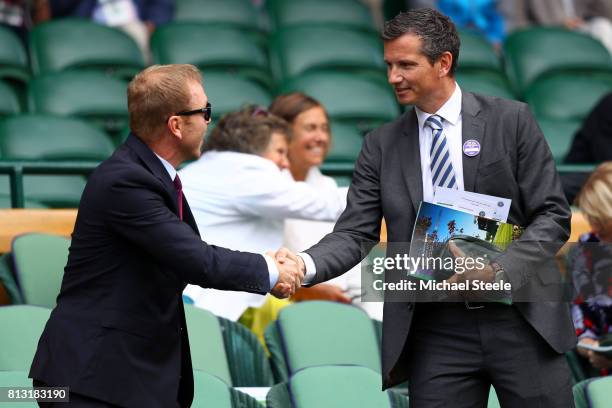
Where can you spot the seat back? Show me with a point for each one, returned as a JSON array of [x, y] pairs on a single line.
[[559, 134], [70, 94], [79, 44], [347, 13], [237, 13], [567, 96], [338, 386], [246, 357], [22, 326], [345, 144], [485, 83], [206, 343], [13, 57], [531, 52], [363, 102], [229, 93], [9, 103], [324, 333], [299, 49], [477, 54], [223, 49], [210, 391], [599, 392], [46, 137], [31, 137], [39, 266]]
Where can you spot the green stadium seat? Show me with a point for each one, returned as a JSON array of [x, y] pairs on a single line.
[[566, 96], [532, 52], [580, 399], [211, 48], [13, 57], [9, 102], [345, 144], [206, 343], [70, 94], [334, 386], [299, 49], [248, 363], [228, 93], [347, 13], [17, 379], [362, 102], [240, 14], [211, 391], [75, 44], [22, 326], [559, 135], [5, 201], [39, 261], [316, 333], [599, 392], [46, 137], [486, 83], [43, 137], [477, 54]]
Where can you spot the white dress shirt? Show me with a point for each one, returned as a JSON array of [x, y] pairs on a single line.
[[452, 121], [240, 201]]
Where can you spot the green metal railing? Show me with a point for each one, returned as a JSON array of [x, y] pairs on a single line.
[[17, 169]]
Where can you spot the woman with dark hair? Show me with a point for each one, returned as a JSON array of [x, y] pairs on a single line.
[[308, 147], [240, 197]]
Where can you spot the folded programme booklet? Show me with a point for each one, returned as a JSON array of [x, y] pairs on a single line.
[[480, 239], [604, 347]]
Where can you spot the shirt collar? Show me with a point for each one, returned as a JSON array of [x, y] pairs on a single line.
[[450, 111], [169, 168]]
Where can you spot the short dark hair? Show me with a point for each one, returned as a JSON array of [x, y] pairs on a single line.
[[248, 130], [436, 31]]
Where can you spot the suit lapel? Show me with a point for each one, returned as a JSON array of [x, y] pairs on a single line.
[[411, 165], [473, 128], [154, 165]]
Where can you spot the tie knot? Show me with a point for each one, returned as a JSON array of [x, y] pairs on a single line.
[[434, 122], [177, 183]]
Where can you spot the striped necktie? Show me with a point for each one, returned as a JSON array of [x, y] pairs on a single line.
[[442, 172]]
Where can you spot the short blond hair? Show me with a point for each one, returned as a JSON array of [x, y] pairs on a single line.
[[156, 93], [595, 198]]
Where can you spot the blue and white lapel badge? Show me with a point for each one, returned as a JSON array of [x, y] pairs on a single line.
[[471, 148]]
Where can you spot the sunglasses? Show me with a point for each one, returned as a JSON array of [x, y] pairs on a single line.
[[207, 112]]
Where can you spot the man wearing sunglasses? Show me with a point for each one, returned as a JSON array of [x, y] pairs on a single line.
[[117, 336]]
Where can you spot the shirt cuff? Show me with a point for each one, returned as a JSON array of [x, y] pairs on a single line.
[[272, 270], [311, 270]]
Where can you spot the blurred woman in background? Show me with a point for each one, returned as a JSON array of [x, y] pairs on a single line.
[[590, 264]]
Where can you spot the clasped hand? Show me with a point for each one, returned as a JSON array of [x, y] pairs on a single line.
[[291, 270]]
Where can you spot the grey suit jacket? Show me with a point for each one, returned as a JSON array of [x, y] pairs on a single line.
[[515, 162]]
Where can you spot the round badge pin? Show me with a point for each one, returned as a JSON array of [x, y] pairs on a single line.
[[471, 148]]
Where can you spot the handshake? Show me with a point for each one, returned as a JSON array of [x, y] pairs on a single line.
[[291, 271]]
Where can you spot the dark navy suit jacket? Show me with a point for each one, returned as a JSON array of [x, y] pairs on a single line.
[[156, 11], [118, 331]]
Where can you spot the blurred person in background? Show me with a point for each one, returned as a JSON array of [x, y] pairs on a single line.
[[21, 15], [240, 197], [593, 17], [590, 266], [138, 18], [309, 145]]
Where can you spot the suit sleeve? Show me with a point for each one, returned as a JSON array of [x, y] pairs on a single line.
[[546, 208], [137, 212], [358, 228]]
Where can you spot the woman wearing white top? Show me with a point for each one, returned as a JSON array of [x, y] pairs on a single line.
[[240, 198], [308, 147]]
